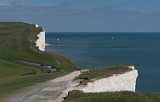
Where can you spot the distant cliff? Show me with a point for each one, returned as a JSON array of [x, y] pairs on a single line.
[[40, 42], [118, 82]]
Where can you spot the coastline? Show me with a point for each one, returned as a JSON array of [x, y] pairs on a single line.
[[63, 65], [100, 50], [40, 42]]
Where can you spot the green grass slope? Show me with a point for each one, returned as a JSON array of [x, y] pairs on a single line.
[[17, 42]]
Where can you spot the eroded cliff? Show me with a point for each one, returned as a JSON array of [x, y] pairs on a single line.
[[117, 82], [40, 42]]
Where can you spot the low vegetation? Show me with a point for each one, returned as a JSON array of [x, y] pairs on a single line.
[[104, 72], [17, 42], [112, 97]]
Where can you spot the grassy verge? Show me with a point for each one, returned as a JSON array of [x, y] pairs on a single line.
[[12, 80], [112, 97], [10, 86]]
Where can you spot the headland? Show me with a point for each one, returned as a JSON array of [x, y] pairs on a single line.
[[26, 42]]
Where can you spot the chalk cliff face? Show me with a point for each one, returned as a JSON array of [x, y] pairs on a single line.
[[117, 82], [40, 43]]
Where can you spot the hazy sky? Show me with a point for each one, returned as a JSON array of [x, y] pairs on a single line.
[[85, 15]]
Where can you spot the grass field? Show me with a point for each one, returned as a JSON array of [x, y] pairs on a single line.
[[112, 97], [17, 42]]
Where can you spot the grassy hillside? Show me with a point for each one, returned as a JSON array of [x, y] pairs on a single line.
[[17, 42]]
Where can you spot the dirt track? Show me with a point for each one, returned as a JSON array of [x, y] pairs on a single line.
[[52, 91]]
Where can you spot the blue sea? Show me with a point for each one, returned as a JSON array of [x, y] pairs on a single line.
[[87, 50]]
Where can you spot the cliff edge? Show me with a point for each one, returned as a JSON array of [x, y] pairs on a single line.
[[116, 82], [40, 42]]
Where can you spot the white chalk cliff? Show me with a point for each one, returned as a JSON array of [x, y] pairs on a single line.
[[40, 43], [117, 82]]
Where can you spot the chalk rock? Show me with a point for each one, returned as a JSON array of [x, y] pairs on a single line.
[[40, 42], [117, 82]]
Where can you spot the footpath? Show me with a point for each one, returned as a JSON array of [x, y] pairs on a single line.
[[52, 91]]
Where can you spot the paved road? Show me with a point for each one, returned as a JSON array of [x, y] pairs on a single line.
[[52, 91]]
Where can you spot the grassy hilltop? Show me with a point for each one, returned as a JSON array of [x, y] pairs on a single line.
[[17, 42]]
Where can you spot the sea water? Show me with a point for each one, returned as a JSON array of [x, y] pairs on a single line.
[[88, 50]]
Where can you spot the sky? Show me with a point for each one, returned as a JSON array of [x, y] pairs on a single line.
[[85, 15]]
